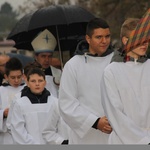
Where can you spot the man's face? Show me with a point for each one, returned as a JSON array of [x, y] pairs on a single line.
[[14, 78], [3, 60], [36, 83], [99, 41], [44, 59]]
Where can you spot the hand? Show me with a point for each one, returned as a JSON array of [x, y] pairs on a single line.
[[5, 114], [104, 125]]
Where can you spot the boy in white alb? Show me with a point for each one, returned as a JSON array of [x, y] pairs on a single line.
[[13, 76], [126, 92], [31, 111]]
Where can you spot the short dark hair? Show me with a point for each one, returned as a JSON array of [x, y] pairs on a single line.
[[31, 65], [94, 24], [12, 65], [35, 71]]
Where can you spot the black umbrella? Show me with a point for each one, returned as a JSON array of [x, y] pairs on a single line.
[[66, 22], [21, 26]]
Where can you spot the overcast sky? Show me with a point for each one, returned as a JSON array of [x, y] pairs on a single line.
[[14, 3]]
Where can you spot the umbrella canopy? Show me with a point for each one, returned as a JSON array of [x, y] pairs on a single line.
[[66, 22], [19, 33], [140, 34], [21, 26]]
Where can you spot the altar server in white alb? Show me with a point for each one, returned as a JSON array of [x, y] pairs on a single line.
[[126, 92], [26, 69], [31, 111], [13, 85], [55, 130], [79, 98], [44, 45]]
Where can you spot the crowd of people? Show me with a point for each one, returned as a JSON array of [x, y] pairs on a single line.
[[100, 97]]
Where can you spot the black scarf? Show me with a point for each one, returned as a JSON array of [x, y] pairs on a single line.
[[35, 98]]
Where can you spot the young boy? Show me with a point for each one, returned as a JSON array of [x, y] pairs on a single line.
[[31, 111], [79, 93], [50, 86], [13, 76], [126, 93]]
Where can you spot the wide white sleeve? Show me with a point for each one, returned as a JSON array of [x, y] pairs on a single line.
[[1, 117], [8, 122], [75, 114], [50, 131], [1, 121], [18, 127], [17, 96], [125, 129]]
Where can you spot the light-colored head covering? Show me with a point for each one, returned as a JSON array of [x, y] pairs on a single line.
[[44, 42]]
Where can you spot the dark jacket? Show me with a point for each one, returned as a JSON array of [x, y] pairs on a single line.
[[83, 48], [120, 56]]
